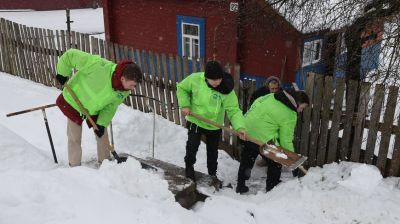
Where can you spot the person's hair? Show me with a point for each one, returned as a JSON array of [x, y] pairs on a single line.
[[132, 72], [301, 97], [273, 81]]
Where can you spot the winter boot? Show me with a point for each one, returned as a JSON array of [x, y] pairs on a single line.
[[189, 172], [242, 188]]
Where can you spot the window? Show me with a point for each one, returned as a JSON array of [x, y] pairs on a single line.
[[190, 35], [312, 52], [190, 39]]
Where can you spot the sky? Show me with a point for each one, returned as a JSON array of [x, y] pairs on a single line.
[[35, 190]]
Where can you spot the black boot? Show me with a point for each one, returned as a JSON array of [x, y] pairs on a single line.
[[189, 172], [241, 188]]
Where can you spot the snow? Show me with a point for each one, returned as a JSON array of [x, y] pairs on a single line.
[[84, 20], [35, 190]]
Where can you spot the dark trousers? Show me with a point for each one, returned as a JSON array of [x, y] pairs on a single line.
[[248, 157], [193, 143]]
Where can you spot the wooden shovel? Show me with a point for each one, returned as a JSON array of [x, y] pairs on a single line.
[[278, 154], [86, 113]]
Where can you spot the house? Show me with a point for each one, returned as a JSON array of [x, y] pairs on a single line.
[[325, 52], [50, 4], [249, 33]]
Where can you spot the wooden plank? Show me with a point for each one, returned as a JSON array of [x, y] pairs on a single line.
[[315, 120], [175, 110], [21, 51], [352, 89], [394, 169], [9, 48], [73, 40], [67, 40], [157, 105], [306, 117], [386, 133], [126, 51], [185, 67], [32, 54], [147, 81], [360, 121], [374, 120], [59, 49], [42, 51], [4, 49], [161, 86], [62, 37], [87, 42], [140, 86], [101, 48], [38, 39], [25, 52], [180, 77], [111, 53], [337, 113], [167, 87], [94, 46], [17, 49], [326, 107], [12, 51], [83, 43], [194, 65], [132, 99], [202, 64], [117, 53], [78, 40], [47, 57], [53, 56]]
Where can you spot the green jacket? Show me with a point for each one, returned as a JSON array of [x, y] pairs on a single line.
[[92, 84], [270, 119], [194, 93]]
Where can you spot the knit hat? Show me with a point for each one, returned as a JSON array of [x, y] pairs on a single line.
[[213, 70], [272, 78]]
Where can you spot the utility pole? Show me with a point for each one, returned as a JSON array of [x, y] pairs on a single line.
[[68, 24]]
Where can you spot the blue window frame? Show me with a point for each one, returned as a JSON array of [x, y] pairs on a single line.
[[190, 36]]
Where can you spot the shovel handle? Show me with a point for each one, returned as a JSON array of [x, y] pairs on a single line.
[[86, 113], [83, 109], [30, 110], [234, 132]]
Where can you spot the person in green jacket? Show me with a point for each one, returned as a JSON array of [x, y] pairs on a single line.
[[208, 94], [101, 86], [272, 118]]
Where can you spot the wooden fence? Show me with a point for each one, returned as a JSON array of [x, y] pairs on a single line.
[[336, 127], [352, 121]]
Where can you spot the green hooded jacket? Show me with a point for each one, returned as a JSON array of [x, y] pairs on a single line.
[[270, 119], [92, 84], [194, 93]]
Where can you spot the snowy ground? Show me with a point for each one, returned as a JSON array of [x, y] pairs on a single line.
[[84, 20], [35, 190]]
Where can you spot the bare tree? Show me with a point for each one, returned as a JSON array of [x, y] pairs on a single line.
[[355, 16]]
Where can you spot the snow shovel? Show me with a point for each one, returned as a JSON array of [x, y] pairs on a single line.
[[45, 122], [278, 154], [86, 113]]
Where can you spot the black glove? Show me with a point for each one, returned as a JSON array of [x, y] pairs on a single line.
[[61, 79], [100, 131]]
